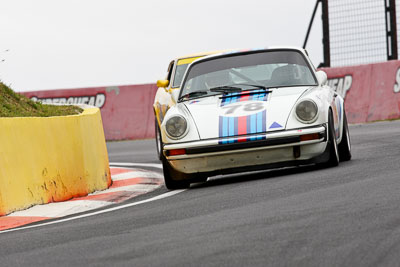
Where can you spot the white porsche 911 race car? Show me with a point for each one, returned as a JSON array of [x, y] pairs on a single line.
[[252, 110]]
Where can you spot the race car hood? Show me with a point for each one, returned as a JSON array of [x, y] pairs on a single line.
[[243, 113]]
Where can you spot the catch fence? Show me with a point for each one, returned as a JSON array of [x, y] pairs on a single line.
[[358, 31]]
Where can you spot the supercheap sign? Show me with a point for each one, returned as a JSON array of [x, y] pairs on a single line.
[[97, 100]]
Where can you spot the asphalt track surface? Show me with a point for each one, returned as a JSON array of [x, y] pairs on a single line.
[[343, 216]]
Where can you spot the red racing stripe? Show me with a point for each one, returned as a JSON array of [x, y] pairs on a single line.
[[242, 127], [244, 97], [242, 121]]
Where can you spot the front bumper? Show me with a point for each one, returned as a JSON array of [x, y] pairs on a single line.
[[209, 156]]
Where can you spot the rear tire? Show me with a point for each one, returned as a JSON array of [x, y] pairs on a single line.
[[345, 144], [169, 175]]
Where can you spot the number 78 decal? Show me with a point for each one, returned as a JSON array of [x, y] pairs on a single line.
[[243, 108]]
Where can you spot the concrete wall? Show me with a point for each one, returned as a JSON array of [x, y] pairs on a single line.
[[51, 159], [371, 92]]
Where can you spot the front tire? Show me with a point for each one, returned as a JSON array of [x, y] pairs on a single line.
[[333, 160], [345, 144], [159, 143], [169, 175]]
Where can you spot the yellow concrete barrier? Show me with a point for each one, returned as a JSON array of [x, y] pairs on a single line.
[[51, 159]]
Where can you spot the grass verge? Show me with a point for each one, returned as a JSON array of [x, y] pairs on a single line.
[[15, 105]]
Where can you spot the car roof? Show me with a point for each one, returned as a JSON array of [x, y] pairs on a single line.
[[218, 52], [215, 55], [204, 54]]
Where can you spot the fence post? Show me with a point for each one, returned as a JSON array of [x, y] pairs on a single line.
[[325, 32], [391, 29]]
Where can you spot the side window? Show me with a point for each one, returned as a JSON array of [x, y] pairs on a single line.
[[169, 73]]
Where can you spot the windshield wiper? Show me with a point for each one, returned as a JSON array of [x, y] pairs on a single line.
[[253, 85], [226, 89], [192, 94]]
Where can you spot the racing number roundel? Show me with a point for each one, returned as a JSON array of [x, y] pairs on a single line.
[[242, 108]]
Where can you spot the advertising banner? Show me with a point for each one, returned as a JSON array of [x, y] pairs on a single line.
[[126, 111], [371, 92]]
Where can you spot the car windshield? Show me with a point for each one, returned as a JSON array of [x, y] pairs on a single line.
[[264, 69]]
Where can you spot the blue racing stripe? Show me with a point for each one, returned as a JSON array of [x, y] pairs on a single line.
[[265, 98], [264, 121], [259, 122], [251, 97], [247, 124], [253, 125], [220, 126], [231, 125], [236, 125], [258, 97], [223, 102], [250, 120], [227, 101], [224, 126]]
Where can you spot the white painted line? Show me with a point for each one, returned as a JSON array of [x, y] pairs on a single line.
[[60, 209], [136, 174], [122, 164], [132, 188], [165, 195]]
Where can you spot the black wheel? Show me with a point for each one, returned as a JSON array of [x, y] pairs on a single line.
[[332, 143], [345, 145], [159, 144], [172, 178]]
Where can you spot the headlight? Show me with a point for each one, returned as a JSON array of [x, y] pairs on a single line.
[[176, 126], [306, 111]]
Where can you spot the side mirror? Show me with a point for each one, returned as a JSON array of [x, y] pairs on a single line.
[[321, 77], [162, 83], [175, 95]]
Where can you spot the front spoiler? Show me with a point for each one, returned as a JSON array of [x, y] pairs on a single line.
[[232, 145]]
